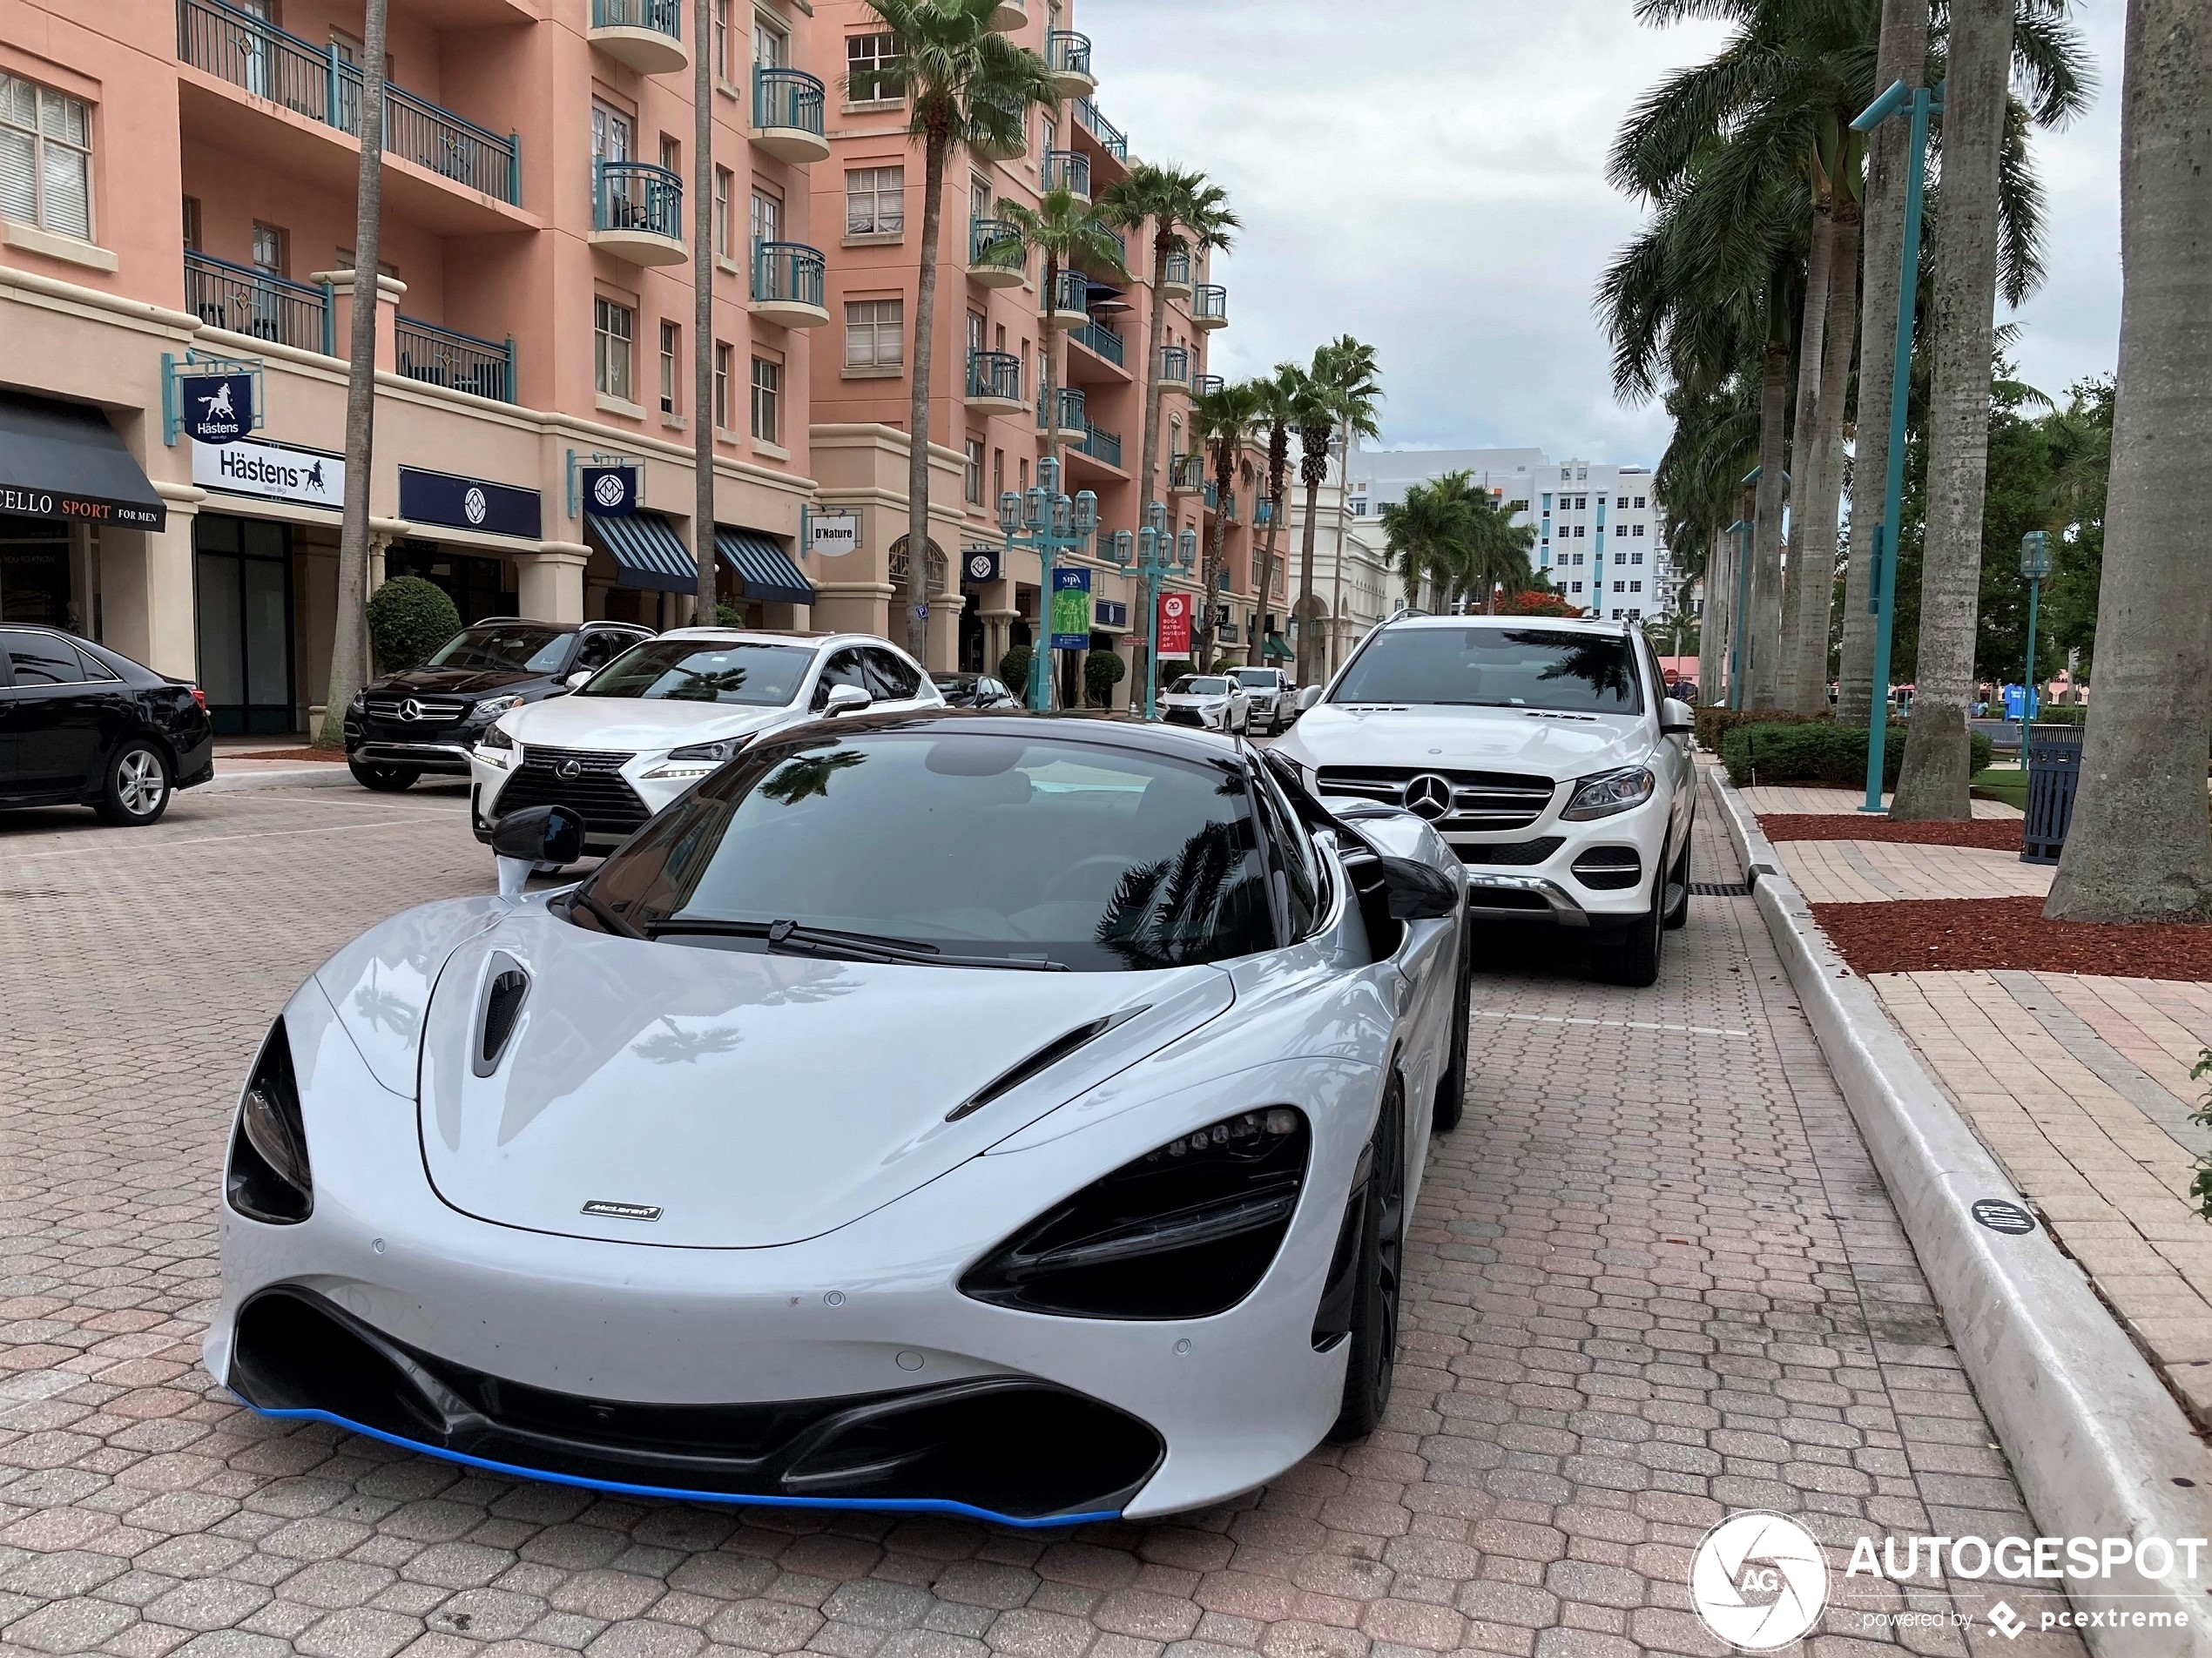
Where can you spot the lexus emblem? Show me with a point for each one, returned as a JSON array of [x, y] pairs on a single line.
[[1428, 796], [569, 768], [410, 710]]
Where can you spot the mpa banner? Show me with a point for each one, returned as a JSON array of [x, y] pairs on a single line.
[[1071, 609], [1175, 624]]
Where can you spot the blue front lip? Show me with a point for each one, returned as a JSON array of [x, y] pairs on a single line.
[[872, 1504]]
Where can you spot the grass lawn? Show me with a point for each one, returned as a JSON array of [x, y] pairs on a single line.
[[2006, 783]]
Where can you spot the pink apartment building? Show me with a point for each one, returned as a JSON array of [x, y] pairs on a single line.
[[177, 181], [993, 329]]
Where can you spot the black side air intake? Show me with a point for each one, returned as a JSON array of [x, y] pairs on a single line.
[[506, 988]]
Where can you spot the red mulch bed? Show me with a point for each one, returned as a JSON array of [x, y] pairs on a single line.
[[1998, 834], [1931, 934], [290, 754]]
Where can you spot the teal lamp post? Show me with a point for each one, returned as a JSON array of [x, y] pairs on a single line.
[[1044, 521], [2035, 564], [1917, 104], [1154, 552]]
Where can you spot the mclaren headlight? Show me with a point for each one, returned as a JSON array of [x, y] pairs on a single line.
[[699, 758], [1608, 792], [1185, 1231], [267, 1178]]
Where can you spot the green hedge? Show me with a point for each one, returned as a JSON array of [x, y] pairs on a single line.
[[1014, 670], [1818, 752], [408, 618], [1102, 670], [1716, 720]]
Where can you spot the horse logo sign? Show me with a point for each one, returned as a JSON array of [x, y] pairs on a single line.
[[218, 408]]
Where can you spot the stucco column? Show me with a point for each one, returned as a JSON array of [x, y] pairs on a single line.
[[146, 602], [944, 632], [997, 637], [548, 584], [388, 291]]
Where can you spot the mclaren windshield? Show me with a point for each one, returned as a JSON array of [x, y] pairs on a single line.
[[1552, 670], [1040, 851], [688, 671]]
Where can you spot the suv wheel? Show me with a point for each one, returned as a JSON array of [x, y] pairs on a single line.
[[1679, 891], [1631, 956]]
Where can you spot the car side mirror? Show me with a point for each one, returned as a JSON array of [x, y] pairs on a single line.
[[578, 678], [1307, 696], [522, 840], [847, 699], [1676, 719], [1418, 892]]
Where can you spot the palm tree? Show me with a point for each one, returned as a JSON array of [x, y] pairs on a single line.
[[1189, 214], [1338, 395], [1498, 550], [1272, 425], [1427, 537], [349, 644], [968, 86], [2137, 849], [1221, 424], [703, 546], [1698, 483]]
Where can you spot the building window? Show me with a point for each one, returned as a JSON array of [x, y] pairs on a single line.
[[1360, 507], [770, 45], [724, 183], [1582, 531], [672, 341], [875, 334], [671, 155], [975, 472], [721, 386], [1636, 530], [998, 473], [1620, 587], [1639, 503], [868, 74], [1635, 587], [611, 326], [45, 158], [875, 201], [1574, 587], [767, 218], [1636, 557], [768, 400], [721, 39], [191, 224], [1621, 505]]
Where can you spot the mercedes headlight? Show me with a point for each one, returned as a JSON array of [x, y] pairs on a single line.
[[493, 707], [1608, 792], [360, 703], [699, 758]]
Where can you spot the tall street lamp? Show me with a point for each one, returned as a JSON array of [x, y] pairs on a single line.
[[1045, 521], [1918, 104], [1154, 551], [2035, 564]]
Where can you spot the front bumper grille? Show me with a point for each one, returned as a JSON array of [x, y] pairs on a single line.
[[1489, 801], [1512, 854], [1184, 716], [597, 790], [1003, 1447], [430, 713]]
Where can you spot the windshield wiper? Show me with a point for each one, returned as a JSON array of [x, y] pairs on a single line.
[[612, 923], [791, 938]]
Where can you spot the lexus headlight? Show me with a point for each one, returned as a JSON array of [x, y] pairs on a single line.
[[495, 747], [699, 758], [493, 707], [1608, 792]]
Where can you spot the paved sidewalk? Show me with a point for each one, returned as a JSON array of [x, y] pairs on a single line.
[[1791, 798], [1869, 872], [1653, 1278]]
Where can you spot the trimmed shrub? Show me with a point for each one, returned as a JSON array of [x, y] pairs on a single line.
[[1716, 720], [726, 615], [1013, 669], [408, 618], [1102, 670], [1172, 669], [2051, 713], [1819, 752]]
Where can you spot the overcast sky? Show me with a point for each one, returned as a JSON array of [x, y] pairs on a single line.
[[1430, 178]]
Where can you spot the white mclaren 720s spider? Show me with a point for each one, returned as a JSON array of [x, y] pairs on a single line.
[[968, 1113]]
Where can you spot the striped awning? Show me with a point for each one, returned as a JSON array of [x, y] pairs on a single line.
[[1274, 649], [762, 565], [647, 551]]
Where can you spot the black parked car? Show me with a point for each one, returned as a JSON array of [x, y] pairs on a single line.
[[975, 691], [427, 719], [83, 726]]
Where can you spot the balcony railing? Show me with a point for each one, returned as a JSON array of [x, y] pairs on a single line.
[[1204, 385], [316, 82], [991, 243], [1209, 303], [662, 16], [1212, 493], [1101, 341], [1102, 445], [788, 273], [1068, 52], [994, 374], [1068, 169], [1074, 293], [788, 97], [245, 300], [1071, 410], [1187, 471], [446, 357], [1178, 269], [1110, 138], [636, 195], [1175, 365]]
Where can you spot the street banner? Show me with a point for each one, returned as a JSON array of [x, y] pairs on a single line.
[[1175, 624], [1071, 609]]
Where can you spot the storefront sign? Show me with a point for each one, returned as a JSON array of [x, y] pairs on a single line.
[[979, 565], [272, 471], [1071, 609], [1113, 614], [611, 491], [833, 535], [1175, 624], [468, 503], [218, 409], [51, 503]]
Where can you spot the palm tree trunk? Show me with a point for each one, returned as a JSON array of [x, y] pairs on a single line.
[[704, 552], [1710, 654], [1932, 787], [2137, 849], [1156, 332], [1761, 624], [1822, 497], [1255, 648], [1309, 643], [1812, 331], [349, 641], [916, 597], [1224, 477], [1903, 56]]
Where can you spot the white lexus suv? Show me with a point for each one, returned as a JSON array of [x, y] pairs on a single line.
[[1547, 754]]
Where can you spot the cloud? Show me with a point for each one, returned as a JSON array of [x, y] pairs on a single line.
[[1429, 175]]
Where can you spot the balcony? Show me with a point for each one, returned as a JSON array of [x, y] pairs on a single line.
[[995, 256], [1010, 15], [637, 212], [1176, 283], [1102, 445], [787, 285], [1204, 385], [1110, 138], [316, 84], [1209, 307], [1186, 473], [1071, 414], [1071, 306], [994, 383], [1101, 341], [1175, 367], [247, 301], [648, 35], [1068, 169], [787, 105], [1068, 55], [440, 356], [1211, 491]]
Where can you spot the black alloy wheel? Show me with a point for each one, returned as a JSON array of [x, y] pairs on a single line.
[[385, 779], [136, 790], [1372, 1344], [1452, 1087], [1631, 956]]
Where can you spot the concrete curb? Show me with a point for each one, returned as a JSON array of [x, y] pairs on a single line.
[[315, 774], [2093, 1436]]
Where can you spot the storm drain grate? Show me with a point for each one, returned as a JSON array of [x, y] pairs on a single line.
[[1720, 889]]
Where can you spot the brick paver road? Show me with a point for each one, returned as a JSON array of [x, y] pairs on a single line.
[[1654, 1278]]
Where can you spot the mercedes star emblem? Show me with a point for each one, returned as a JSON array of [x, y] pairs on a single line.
[[1428, 796], [410, 710], [570, 768]]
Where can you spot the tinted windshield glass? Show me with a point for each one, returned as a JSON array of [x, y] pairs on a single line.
[[509, 647], [1257, 678], [1094, 856], [1545, 668], [1199, 685], [691, 671]]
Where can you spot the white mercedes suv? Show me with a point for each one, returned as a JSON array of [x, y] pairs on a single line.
[[1547, 754]]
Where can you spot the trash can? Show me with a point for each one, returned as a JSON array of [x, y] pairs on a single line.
[[2053, 760]]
